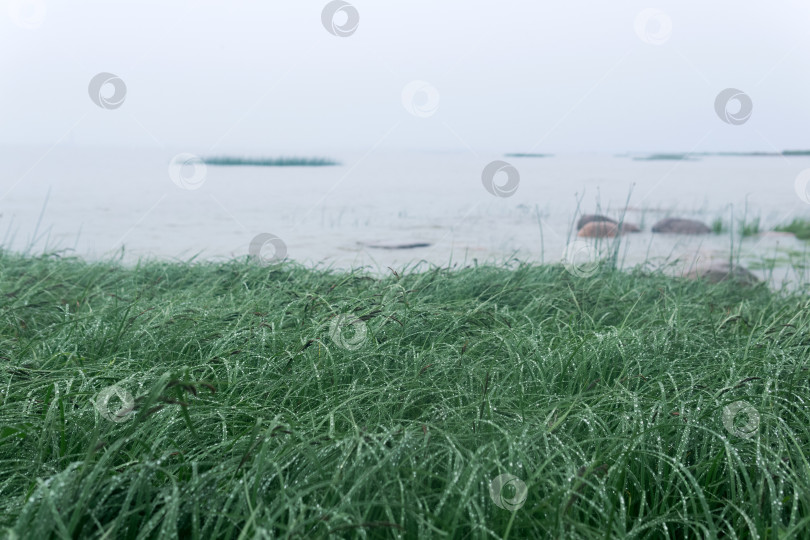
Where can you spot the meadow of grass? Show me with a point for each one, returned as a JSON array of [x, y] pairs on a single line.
[[282, 401]]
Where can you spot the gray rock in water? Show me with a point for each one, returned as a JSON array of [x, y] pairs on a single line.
[[396, 245], [680, 226], [723, 271], [591, 218]]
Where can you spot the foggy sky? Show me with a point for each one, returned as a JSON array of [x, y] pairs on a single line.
[[511, 75]]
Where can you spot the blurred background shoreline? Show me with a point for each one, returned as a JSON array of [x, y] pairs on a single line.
[[101, 203]]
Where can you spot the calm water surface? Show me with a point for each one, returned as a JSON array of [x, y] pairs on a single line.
[[100, 201]]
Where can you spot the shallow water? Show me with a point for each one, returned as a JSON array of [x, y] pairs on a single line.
[[99, 200]]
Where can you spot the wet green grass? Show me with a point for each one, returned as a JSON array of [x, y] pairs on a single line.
[[257, 415]]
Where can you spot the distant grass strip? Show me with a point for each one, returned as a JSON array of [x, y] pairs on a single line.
[[737, 154], [694, 156], [234, 400], [231, 161], [666, 157], [799, 227], [749, 228]]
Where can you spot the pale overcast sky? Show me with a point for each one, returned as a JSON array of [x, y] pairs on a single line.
[[509, 75]]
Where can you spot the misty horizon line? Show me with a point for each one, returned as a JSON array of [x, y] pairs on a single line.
[[517, 153]]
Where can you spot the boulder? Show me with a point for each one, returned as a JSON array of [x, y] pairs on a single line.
[[680, 226], [722, 271], [595, 218], [588, 218], [599, 229]]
